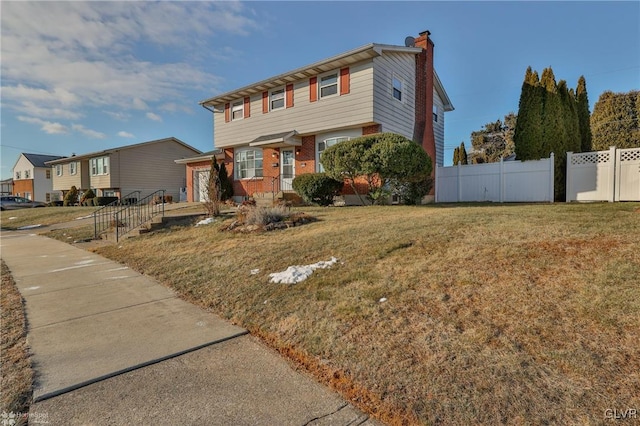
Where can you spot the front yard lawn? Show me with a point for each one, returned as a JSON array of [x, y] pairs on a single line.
[[441, 314]]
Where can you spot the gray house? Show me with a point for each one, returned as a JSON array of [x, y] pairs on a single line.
[[116, 172]]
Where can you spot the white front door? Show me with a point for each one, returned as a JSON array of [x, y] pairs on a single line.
[[200, 181], [287, 169]]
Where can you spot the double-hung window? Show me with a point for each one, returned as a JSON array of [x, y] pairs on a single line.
[[397, 88], [27, 174], [99, 166], [435, 113], [58, 169], [248, 163], [73, 168], [47, 173], [324, 144], [329, 85], [276, 99], [237, 110], [18, 175]]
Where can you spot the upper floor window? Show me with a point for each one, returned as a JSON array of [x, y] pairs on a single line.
[[73, 168], [27, 174], [329, 85], [18, 175], [47, 173], [99, 166], [324, 144], [435, 113], [58, 169], [237, 110], [397, 88], [276, 99], [248, 163]]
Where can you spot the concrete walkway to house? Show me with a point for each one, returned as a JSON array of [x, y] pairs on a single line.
[[112, 346]]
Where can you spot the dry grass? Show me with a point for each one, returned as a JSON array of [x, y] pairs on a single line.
[[13, 219], [15, 364], [505, 314]]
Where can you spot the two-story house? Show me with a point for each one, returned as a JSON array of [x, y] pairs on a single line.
[[116, 172], [32, 178], [276, 129]]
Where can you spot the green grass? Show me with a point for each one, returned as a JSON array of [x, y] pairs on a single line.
[[495, 314]]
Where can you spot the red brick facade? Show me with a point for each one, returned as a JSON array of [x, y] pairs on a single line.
[[23, 185], [371, 130]]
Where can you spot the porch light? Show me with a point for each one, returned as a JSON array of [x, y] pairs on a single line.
[[274, 154]]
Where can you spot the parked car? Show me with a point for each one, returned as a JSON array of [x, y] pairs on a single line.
[[10, 202]]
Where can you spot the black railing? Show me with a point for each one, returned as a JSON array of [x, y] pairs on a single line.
[[103, 218], [134, 215], [128, 213]]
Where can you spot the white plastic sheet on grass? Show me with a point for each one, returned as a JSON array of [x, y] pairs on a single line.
[[22, 228], [297, 273]]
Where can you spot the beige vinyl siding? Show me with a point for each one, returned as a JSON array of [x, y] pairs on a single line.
[[394, 116], [349, 110], [438, 129], [80, 180], [150, 168], [110, 180]]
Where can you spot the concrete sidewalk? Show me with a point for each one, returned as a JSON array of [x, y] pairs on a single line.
[[111, 346]]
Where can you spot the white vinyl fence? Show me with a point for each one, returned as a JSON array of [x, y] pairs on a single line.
[[504, 182], [612, 175]]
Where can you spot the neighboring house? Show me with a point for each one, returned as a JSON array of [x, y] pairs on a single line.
[[198, 169], [32, 178], [116, 172], [276, 129], [6, 186]]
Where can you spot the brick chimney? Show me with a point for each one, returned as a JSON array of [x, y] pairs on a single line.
[[423, 128]]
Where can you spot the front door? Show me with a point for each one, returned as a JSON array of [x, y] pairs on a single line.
[[287, 169], [200, 185]]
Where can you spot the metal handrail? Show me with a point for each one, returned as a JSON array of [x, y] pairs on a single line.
[[103, 216], [132, 216]]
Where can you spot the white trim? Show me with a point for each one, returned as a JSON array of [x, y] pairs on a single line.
[[334, 140], [73, 170], [401, 90], [236, 165]]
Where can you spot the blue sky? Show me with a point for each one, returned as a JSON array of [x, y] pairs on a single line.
[[79, 77]]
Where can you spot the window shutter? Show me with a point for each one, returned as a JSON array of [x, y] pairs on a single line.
[[227, 113], [289, 95], [344, 81], [265, 102], [247, 107], [313, 89]]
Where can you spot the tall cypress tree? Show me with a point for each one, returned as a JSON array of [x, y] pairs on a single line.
[[582, 105], [528, 129], [226, 186], [456, 156], [462, 154]]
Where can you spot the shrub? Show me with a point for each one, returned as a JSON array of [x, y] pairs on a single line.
[[71, 197], [87, 197], [317, 188], [265, 215], [412, 193]]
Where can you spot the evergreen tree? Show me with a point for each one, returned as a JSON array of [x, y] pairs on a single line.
[[584, 125], [570, 114], [616, 120], [528, 135], [226, 186], [456, 156], [462, 154]]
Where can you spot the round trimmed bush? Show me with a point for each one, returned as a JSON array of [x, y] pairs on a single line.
[[317, 188]]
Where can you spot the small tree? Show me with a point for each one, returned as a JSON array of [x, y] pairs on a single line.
[[213, 190], [462, 154], [226, 186]]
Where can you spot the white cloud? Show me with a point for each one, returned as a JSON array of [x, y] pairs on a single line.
[[118, 115], [124, 134], [69, 57], [154, 117], [88, 132], [46, 126]]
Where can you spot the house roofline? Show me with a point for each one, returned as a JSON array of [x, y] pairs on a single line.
[[120, 148], [342, 60], [216, 153]]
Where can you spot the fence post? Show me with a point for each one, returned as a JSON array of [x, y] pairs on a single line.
[[613, 165], [569, 180], [551, 177], [459, 186], [502, 190], [435, 184]]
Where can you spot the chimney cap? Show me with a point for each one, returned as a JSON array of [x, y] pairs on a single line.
[[427, 32]]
